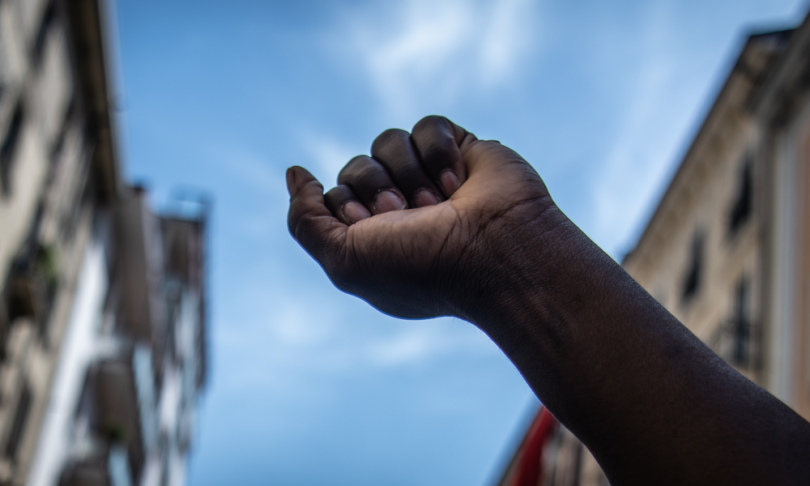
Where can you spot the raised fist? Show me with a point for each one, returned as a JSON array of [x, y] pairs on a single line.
[[435, 222]]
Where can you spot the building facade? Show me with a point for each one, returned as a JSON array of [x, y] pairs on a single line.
[[727, 250], [102, 304]]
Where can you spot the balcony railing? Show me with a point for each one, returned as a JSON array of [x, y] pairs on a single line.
[[115, 401], [33, 281], [85, 474], [125, 408], [739, 342]]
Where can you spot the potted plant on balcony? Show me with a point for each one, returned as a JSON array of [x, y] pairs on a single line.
[[34, 278]]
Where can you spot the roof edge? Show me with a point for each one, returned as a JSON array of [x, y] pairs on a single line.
[[739, 66], [93, 64]]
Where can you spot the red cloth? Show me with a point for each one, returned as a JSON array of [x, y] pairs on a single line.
[[529, 463]]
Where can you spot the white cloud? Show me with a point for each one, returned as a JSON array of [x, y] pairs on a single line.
[[328, 155], [255, 171], [645, 141], [424, 340], [636, 160], [298, 323], [292, 339], [508, 36], [418, 49]]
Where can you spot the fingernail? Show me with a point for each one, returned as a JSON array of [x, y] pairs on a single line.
[[388, 201], [425, 198], [353, 211], [450, 182]]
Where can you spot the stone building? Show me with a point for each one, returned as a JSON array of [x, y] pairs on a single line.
[[727, 250], [102, 301]]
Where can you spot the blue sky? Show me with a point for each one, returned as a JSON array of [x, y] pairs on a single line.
[[310, 385]]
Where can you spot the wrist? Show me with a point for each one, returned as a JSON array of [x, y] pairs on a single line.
[[524, 270]]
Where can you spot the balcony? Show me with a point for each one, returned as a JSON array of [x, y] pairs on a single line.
[[116, 401], [33, 280], [125, 414], [739, 343], [85, 474]]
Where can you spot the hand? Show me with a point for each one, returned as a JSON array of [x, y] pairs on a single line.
[[427, 225]]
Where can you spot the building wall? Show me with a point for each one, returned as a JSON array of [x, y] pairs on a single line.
[[97, 380], [791, 319], [43, 206], [77, 352], [802, 343], [138, 433]]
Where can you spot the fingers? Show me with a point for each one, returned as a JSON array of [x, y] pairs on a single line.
[[394, 151], [309, 220], [437, 141], [405, 170], [372, 184], [345, 205]]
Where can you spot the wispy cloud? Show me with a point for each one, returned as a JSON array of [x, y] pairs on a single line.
[[292, 337], [636, 163], [437, 49], [508, 37], [257, 177], [249, 167], [423, 341], [327, 155]]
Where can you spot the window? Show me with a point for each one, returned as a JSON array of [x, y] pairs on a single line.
[[743, 205], [741, 325], [18, 426], [4, 66], [42, 35], [8, 149], [58, 154], [692, 279]]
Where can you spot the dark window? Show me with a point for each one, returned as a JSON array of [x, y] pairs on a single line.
[[164, 461], [692, 279], [4, 68], [18, 427], [8, 149], [42, 34], [57, 149], [741, 325], [743, 204]]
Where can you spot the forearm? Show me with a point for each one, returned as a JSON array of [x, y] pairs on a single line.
[[642, 392]]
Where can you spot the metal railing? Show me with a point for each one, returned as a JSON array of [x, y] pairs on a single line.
[[739, 342]]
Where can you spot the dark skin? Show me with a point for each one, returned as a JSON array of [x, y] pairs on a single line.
[[438, 223]]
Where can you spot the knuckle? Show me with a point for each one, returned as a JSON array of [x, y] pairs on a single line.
[[351, 170], [332, 199], [315, 185], [392, 136], [431, 123], [364, 174], [356, 160], [336, 197]]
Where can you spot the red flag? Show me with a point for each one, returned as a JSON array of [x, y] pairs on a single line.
[[526, 468]]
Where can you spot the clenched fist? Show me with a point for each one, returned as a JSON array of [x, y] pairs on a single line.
[[429, 225]]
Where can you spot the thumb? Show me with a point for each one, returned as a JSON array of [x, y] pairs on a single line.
[[309, 220]]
